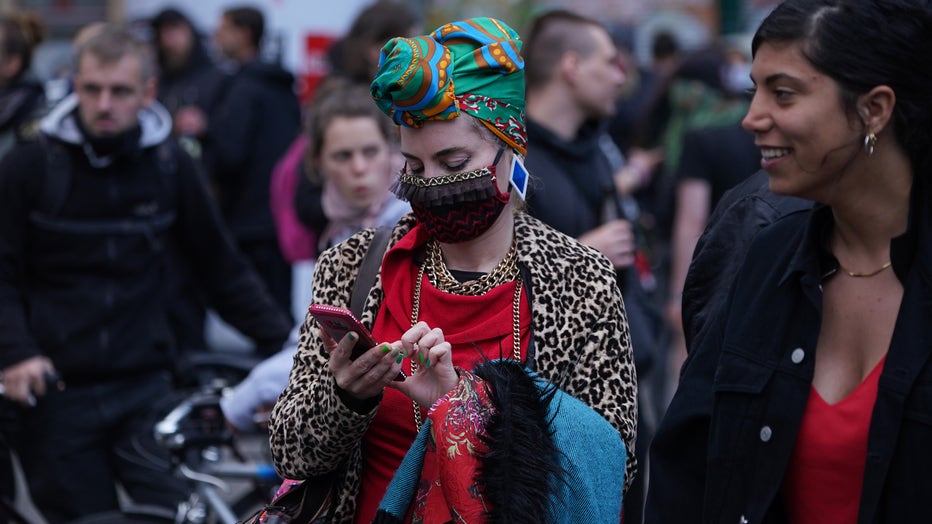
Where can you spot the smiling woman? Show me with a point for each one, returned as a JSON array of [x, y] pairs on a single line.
[[805, 401]]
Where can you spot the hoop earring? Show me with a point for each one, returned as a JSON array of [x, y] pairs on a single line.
[[870, 140]]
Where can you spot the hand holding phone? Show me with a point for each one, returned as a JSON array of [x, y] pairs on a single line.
[[338, 321]]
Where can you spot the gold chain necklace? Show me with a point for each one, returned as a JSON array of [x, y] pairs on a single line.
[[865, 275], [442, 279], [507, 267]]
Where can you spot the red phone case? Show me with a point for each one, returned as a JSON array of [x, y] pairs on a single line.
[[338, 321]]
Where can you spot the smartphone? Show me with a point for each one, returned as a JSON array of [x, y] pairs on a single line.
[[338, 321]]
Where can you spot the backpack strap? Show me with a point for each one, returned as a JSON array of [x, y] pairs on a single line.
[[369, 269], [57, 180]]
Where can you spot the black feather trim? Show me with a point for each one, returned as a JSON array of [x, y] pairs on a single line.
[[521, 468]]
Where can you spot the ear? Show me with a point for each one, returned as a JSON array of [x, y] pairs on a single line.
[[875, 108], [149, 90], [568, 66]]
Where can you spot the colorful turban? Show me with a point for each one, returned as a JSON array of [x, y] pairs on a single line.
[[474, 66]]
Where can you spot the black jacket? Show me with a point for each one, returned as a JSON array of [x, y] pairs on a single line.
[[572, 190], [572, 182], [723, 447], [21, 104], [741, 213], [251, 129], [198, 82], [84, 282]]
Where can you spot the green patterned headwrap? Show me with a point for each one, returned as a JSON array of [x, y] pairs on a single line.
[[472, 66]]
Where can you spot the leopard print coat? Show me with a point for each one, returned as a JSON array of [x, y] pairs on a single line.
[[581, 342]]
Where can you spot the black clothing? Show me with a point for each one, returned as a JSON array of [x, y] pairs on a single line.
[[63, 449], [738, 216], [571, 181], [724, 445], [573, 191], [252, 128], [21, 103], [249, 133], [86, 233], [307, 203], [199, 82], [49, 272], [723, 156]]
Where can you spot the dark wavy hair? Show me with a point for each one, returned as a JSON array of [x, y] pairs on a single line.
[[862, 44], [19, 36]]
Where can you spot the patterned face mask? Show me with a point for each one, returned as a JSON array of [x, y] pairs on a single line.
[[455, 208]]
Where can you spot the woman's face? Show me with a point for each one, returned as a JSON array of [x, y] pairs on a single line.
[[807, 139], [355, 157], [449, 147]]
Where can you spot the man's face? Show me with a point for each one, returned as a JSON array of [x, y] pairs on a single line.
[[228, 38], [599, 77], [176, 41], [110, 95]]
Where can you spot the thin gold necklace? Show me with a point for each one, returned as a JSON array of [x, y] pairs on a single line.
[[865, 275], [508, 266]]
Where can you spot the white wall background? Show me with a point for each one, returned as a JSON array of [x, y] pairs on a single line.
[[287, 21]]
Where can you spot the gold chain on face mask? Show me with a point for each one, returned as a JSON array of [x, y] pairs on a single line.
[[420, 181], [507, 271]]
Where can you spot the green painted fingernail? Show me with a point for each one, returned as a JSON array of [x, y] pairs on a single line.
[[386, 348], [400, 358], [352, 336], [421, 357], [427, 364]]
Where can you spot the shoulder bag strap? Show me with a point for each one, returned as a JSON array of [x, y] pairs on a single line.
[[369, 269]]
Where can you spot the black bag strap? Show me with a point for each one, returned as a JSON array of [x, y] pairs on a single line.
[[57, 180], [369, 269]]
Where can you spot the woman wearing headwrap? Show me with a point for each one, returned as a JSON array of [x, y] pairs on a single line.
[[472, 295]]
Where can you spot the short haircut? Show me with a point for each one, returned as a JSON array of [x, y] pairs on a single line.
[[110, 43], [550, 36], [246, 17]]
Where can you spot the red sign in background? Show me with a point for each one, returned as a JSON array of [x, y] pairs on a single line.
[[314, 64]]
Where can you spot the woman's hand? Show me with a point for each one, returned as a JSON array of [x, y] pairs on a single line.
[[366, 376], [435, 375]]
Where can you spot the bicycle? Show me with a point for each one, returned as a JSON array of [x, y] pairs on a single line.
[[226, 485]]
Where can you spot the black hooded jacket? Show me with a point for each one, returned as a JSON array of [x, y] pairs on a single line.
[[21, 103], [251, 130], [572, 189], [84, 282], [199, 82]]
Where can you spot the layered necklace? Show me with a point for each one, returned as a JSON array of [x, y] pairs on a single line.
[[441, 278]]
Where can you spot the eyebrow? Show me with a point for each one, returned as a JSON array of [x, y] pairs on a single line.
[[440, 154], [776, 77]]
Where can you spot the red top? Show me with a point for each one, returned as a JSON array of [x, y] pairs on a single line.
[[476, 327], [826, 471]]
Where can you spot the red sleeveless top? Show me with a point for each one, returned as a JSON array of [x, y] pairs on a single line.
[[826, 471]]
